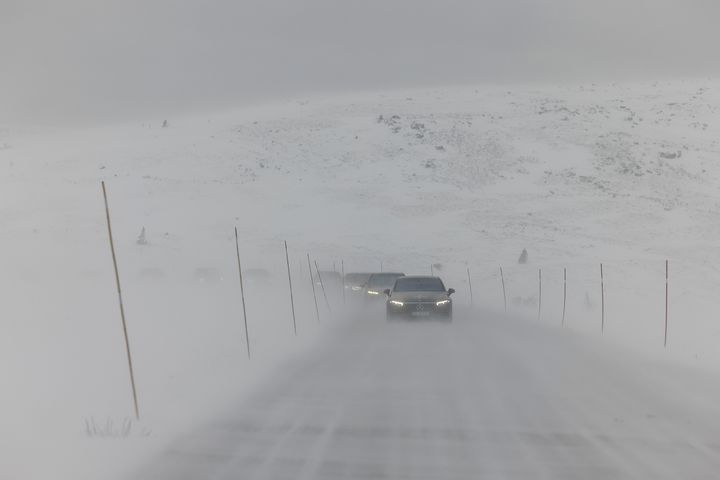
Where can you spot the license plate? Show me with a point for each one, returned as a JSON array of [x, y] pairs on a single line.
[[421, 314]]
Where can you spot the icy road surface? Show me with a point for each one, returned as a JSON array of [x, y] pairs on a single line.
[[478, 398]]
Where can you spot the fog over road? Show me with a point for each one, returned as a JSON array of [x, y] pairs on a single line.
[[479, 398]]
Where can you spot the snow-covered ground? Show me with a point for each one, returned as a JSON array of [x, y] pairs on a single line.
[[625, 175], [479, 398]]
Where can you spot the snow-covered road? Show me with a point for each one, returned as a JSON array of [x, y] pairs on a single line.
[[478, 398]]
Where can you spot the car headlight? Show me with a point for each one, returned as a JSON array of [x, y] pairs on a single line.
[[373, 292], [442, 302], [355, 289], [395, 302]]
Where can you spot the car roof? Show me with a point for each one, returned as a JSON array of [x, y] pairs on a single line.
[[420, 276], [399, 274]]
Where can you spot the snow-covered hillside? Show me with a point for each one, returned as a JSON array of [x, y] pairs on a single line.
[[626, 175]]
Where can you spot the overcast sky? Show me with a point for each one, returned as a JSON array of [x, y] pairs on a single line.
[[103, 59]]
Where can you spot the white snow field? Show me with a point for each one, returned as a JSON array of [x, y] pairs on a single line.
[[624, 174]]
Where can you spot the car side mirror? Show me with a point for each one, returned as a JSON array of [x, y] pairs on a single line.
[[451, 291], [387, 292]]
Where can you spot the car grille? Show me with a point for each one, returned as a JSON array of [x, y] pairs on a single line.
[[419, 306]]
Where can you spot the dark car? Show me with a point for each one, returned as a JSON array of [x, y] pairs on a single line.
[[355, 282], [417, 297], [379, 282]]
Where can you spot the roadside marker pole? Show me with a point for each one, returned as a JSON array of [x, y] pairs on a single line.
[[432, 270], [322, 286], [539, 292], [122, 308], [470, 286], [342, 272], [602, 300], [667, 267], [502, 279], [292, 300], [242, 293], [564, 295], [312, 283]]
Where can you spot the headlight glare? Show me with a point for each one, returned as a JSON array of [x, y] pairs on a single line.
[[442, 302], [395, 302]]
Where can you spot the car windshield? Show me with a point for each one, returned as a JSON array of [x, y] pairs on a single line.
[[429, 284], [383, 280]]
